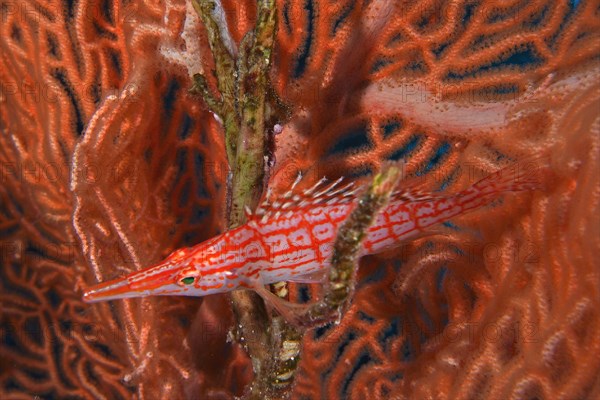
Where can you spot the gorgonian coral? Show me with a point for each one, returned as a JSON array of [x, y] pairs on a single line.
[[108, 163]]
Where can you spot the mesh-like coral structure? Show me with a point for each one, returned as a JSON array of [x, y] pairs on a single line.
[[107, 164]]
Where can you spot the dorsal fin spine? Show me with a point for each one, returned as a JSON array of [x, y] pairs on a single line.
[[310, 190], [340, 190], [328, 188], [290, 192], [323, 192]]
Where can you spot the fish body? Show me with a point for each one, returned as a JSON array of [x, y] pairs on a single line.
[[292, 239]]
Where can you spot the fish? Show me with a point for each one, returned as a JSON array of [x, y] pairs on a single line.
[[291, 237]]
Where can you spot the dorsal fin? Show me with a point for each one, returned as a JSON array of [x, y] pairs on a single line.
[[410, 194], [331, 193], [322, 192], [414, 189]]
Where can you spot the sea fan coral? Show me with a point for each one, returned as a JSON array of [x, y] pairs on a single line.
[[107, 163]]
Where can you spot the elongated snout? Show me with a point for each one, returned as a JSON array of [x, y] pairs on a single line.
[[111, 290], [153, 281]]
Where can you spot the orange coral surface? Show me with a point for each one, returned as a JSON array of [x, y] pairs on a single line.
[[107, 164]]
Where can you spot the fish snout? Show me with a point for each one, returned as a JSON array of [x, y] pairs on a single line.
[[111, 290]]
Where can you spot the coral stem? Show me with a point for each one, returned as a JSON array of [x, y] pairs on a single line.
[[243, 107], [246, 103], [347, 247]]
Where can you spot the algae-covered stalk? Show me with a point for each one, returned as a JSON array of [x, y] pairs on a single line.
[[243, 83]]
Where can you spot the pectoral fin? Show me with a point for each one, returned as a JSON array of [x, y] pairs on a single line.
[[292, 312]]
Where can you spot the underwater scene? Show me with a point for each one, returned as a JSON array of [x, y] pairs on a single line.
[[300, 199]]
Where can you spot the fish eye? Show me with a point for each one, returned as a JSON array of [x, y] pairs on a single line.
[[188, 280]]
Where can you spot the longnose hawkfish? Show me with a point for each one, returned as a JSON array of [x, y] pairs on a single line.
[[291, 238]]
